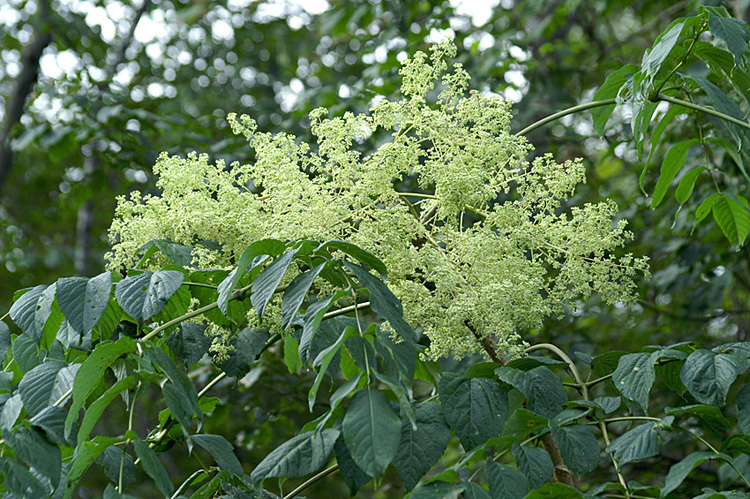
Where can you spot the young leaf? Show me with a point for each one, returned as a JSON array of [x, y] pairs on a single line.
[[153, 467], [474, 408], [733, 216], [708, 375], [534, 463], [221, 450], [304, 454], [609, 89], [144, 295], [84, 301], [578, 446], [505, 481], [673, 161], [635, 376], [419, 449], [638, 443], [734, 32], [371, 431]]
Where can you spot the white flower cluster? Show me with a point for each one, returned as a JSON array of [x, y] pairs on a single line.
[[483, 247]]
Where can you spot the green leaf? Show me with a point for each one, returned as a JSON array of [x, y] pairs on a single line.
[[578, 446], [638, 443], [522, 423], [554, 491], [705, 208], [732, 151], [95, 410], [19, 480], [313, 318], [654, 58], [708, 375], [84, 456], [657, 133], [295, 294], [52, 421], [36, 386], [177, 376], [23, 311], [544, 391], [635, 376], [678, 472], [438, 490], [153, 467], [84, 301], [362, 353], [4, 340], [291, 355], [264, 286], [220, 450], [302, 455], [709, 417], [725, 105], [504, 481], [31, 447], [371, 431], [687, 184], [91, 372], [673, 161], [113, 460], [419, 449], [11, 410], [737, 442], [176, 253], [534, 463], [475, 491], [474, 408], [26, 352], [734, 32], [189, 343], [384, 303], [248, 344], [323, 360], [357, 253], [609, 89], [143, 296], [743, 409], [733, 217], [354, 476]]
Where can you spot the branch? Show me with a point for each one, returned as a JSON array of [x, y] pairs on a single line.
[[311, 481], [15, 103], [566, 112]]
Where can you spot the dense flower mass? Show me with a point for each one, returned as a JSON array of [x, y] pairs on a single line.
[[483, 246]]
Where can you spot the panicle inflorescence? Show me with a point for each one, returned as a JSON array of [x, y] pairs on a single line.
[[485, 248]]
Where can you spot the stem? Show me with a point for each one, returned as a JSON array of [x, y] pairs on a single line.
[[186, 484], [566, 112], [311, 481], [211, 383], [703, 109], [346, 310], [176, 321], [571, 366], [63, 397]]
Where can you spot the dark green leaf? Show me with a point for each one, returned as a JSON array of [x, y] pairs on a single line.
[[578, 446], [36, 386], [362, 352], [264, 286], [725, 105], [709, 417], [383, 302], [84, 456], [312, 320], [475, 491], [534, 463], [248, 344], [177, 375], [304, 454], [733, 216], [635, 376], [609, 89], [357, 253], [24, 309], [638, 443], [522, 423], [11, 410], [179, 405], [474, 408], [544, 390], [37, 452], [399, 359], [4, 340], [438, 490], [708, 375], [113, 460], [295, 295], [678, 472], [743, 409], [658, 54], [672, 164], [19, 480], [505, 482], [220, 450], [52, 420], [84, 301], [95, 410], [734, 32], [26, 352], [354, 476], [189, 343], [371, 431], [153, 467], [143, 296], [323, 360], [421, 448], [91, 372], [554, 491]]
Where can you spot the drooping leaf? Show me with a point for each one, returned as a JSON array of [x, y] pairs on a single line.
[[438, 490], [578, 446], [248, 344], [733, 217], [37, 452], [534, 462], [302, 455], [91, 372], [220, 450], [371, 431], [312, 319], [295, 294], [23, 311], [177, 375], [672, 164], [544, 390], [654, 58], [743, 409], [687, 184], [419, 449], [84, 456], [153, 467], [36, 386], [704, 208], [95, 410], [354, 476], [505, 481], [118, 463], [678, 472], [264, 286], [84, 301], [144, 295], [638, 443], [358, 254], [734, 32], [323, 360], [725, 105], [708, 375], [189, 343], [609, 89], [523, 422], [635, 376]]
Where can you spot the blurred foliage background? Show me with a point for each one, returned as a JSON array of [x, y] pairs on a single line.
[[91, 91]]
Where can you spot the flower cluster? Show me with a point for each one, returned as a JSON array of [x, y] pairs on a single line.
[[482, 246]]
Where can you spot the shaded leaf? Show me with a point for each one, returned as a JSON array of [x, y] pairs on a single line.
[[609, 89], [371, 431], [84, 301], [419, 449], [113, 460], [221, 450], [672, 164], [534, 462], [504, 481], [678, 472], [302, 455], [708, 375], [153, 467], [578, 446], [354, 476], [638, 443], [635, 376]]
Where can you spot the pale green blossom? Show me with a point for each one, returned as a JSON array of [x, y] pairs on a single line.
[[486, 248]]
